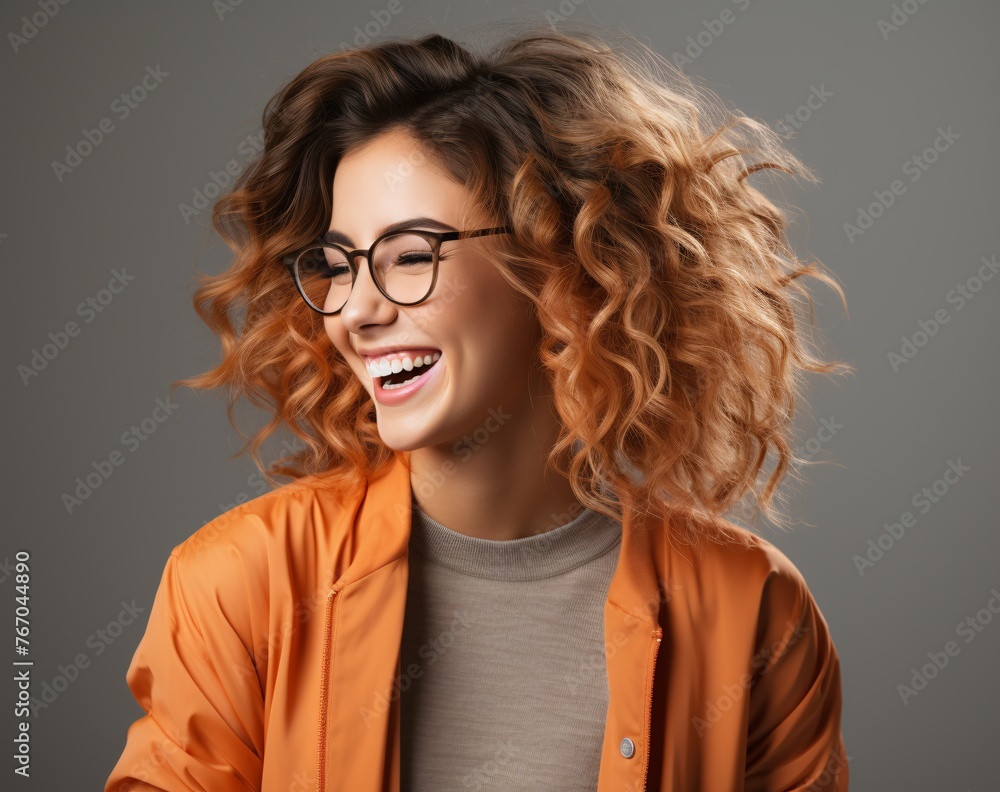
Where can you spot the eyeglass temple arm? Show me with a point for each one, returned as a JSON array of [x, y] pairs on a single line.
[[450, 235]]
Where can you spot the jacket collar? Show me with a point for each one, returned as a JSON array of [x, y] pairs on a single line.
[[360, 689], [384, 524]]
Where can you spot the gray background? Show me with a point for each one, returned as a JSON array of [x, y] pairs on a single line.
[[886, 97]]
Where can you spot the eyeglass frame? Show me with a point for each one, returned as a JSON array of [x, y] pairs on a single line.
[[438, 237]]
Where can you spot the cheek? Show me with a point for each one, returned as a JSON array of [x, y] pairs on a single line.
[[338, 336], [335, 332], [492, 371], [500, 337]]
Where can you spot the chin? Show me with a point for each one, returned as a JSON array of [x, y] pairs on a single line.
[[407, 442]]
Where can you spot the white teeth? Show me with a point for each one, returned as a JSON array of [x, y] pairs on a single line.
[[390, 386], [383, 367]]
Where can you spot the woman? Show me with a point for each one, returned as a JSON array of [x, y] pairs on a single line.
[[537, 332]]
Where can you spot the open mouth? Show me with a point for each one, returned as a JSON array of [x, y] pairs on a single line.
[[404, 377]]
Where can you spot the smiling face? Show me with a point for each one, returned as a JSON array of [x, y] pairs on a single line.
[[486, 333]]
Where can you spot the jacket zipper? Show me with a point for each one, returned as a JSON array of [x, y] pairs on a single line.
[[653, 651], [323, 691]]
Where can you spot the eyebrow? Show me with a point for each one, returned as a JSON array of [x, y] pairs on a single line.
[[339, 238]]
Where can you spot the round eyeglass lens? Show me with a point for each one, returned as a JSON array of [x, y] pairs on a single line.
[[403, 265]]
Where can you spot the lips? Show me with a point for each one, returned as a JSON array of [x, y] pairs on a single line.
[[394, 389]]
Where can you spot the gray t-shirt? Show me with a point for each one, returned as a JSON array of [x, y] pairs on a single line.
[[503, 672]]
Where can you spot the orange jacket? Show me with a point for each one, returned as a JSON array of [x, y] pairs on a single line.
[[271, 658]]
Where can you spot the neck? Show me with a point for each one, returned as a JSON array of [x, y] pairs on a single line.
[[497, 487]]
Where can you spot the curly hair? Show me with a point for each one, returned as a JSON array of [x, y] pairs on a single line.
[[663, 281]]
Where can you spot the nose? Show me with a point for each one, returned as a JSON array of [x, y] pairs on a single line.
[[365, 304]]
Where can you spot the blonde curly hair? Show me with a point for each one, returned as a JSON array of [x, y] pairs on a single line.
[[663, 281]]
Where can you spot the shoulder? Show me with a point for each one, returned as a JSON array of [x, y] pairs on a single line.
[[744, 577], [273, 518], [221, 587], [752, 609], [778, 600], [745, 559], [245, 549]]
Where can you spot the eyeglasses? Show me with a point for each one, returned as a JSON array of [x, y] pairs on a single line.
[[403, 265]]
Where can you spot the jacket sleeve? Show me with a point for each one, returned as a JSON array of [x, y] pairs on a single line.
[[794, 741], [192, 674]]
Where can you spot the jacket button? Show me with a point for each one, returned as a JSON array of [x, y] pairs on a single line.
[[628, 748]]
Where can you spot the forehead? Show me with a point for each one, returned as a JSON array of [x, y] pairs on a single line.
[[389, 177]]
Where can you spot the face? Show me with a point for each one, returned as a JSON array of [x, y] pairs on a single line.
[[485, 332]]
